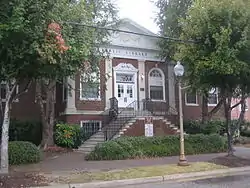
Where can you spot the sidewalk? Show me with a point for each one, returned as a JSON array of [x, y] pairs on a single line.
[[75, 162], [168, 179]]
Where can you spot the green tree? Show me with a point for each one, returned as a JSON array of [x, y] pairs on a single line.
[[220, 58], [168, 20], [169, 17], [36, 44]]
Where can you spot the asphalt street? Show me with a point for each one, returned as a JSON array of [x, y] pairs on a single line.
[[236, 181]]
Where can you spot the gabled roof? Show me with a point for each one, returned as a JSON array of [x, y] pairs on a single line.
[[138, 27]]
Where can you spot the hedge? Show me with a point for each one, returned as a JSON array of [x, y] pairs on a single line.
[[209, 127], [141, 147], [30, 131], [21, 152]]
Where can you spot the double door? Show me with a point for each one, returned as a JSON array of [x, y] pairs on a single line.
[[125, 94]]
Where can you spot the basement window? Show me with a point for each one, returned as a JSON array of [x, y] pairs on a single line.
[[90, 127]]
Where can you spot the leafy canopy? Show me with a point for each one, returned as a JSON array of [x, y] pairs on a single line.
[[221, 56], [26, 52], [170, 12]]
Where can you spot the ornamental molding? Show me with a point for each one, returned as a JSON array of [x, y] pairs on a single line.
[[125, 67]]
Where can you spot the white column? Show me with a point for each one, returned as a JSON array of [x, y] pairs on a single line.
[[71, 98], [171, 86], [109, 83], [141, 79]]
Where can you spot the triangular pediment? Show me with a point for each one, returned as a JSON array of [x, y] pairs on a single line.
[[132, 40]]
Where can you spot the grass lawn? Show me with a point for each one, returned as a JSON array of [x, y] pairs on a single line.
[[139, 172]]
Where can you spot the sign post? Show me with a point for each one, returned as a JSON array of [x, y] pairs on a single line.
[[149, 127]]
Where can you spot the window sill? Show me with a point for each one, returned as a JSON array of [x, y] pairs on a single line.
[[90, 99], [212, 105], [190, 104], [154, 100]]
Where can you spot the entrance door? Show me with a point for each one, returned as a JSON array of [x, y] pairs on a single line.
[[125, 94]]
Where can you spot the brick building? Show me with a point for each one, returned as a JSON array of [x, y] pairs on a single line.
[[133, 80]]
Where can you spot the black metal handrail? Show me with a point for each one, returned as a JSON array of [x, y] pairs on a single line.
[[113, 106]]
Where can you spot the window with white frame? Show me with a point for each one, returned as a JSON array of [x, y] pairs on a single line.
[[3, 91], [90, 127], [90, 86], [156, 84], [213, 97], [191, 98]]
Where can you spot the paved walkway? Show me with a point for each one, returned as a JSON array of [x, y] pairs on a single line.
[[75, 162]]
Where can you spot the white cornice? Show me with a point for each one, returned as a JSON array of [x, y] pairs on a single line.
[[131, 53]]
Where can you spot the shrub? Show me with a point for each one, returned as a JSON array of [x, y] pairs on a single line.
[[30, 131], [242, 140], [21, 152], [140, 147], [67, 135], [245, 133], [209, 127]]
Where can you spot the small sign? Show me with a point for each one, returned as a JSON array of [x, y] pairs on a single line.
[[149, 127]]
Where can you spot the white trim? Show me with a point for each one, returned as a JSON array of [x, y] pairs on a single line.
[[94, 121], [126, 68], [81, 112], [191, 104], [163, 85], [217, 97], [90, 99]]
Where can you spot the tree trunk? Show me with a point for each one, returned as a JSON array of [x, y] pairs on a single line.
[[47, 113], [204, 116], [227, 109], [5, 129], [241, 118]]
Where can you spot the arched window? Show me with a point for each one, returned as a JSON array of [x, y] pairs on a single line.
[[156, 84]]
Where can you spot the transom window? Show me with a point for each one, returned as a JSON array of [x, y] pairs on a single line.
[[155, 73], [191, 98], [124, 78], [156, 84], [90, 86], [213, 97]]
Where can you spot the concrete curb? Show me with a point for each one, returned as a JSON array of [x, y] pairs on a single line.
[[156, 179]]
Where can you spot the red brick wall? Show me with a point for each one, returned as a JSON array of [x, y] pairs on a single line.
[[237, 110], [26, 108], [77, 118], [195, 112], [160, 129]]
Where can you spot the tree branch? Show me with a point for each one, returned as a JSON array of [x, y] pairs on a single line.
[[237, 104], [216, 108], [25, 90]]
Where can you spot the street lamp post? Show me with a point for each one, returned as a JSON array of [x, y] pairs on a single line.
[[179, 71]]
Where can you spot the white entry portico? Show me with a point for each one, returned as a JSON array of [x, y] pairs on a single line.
[[125, 82]]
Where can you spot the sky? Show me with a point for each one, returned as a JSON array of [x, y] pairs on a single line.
[[141, 11]]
